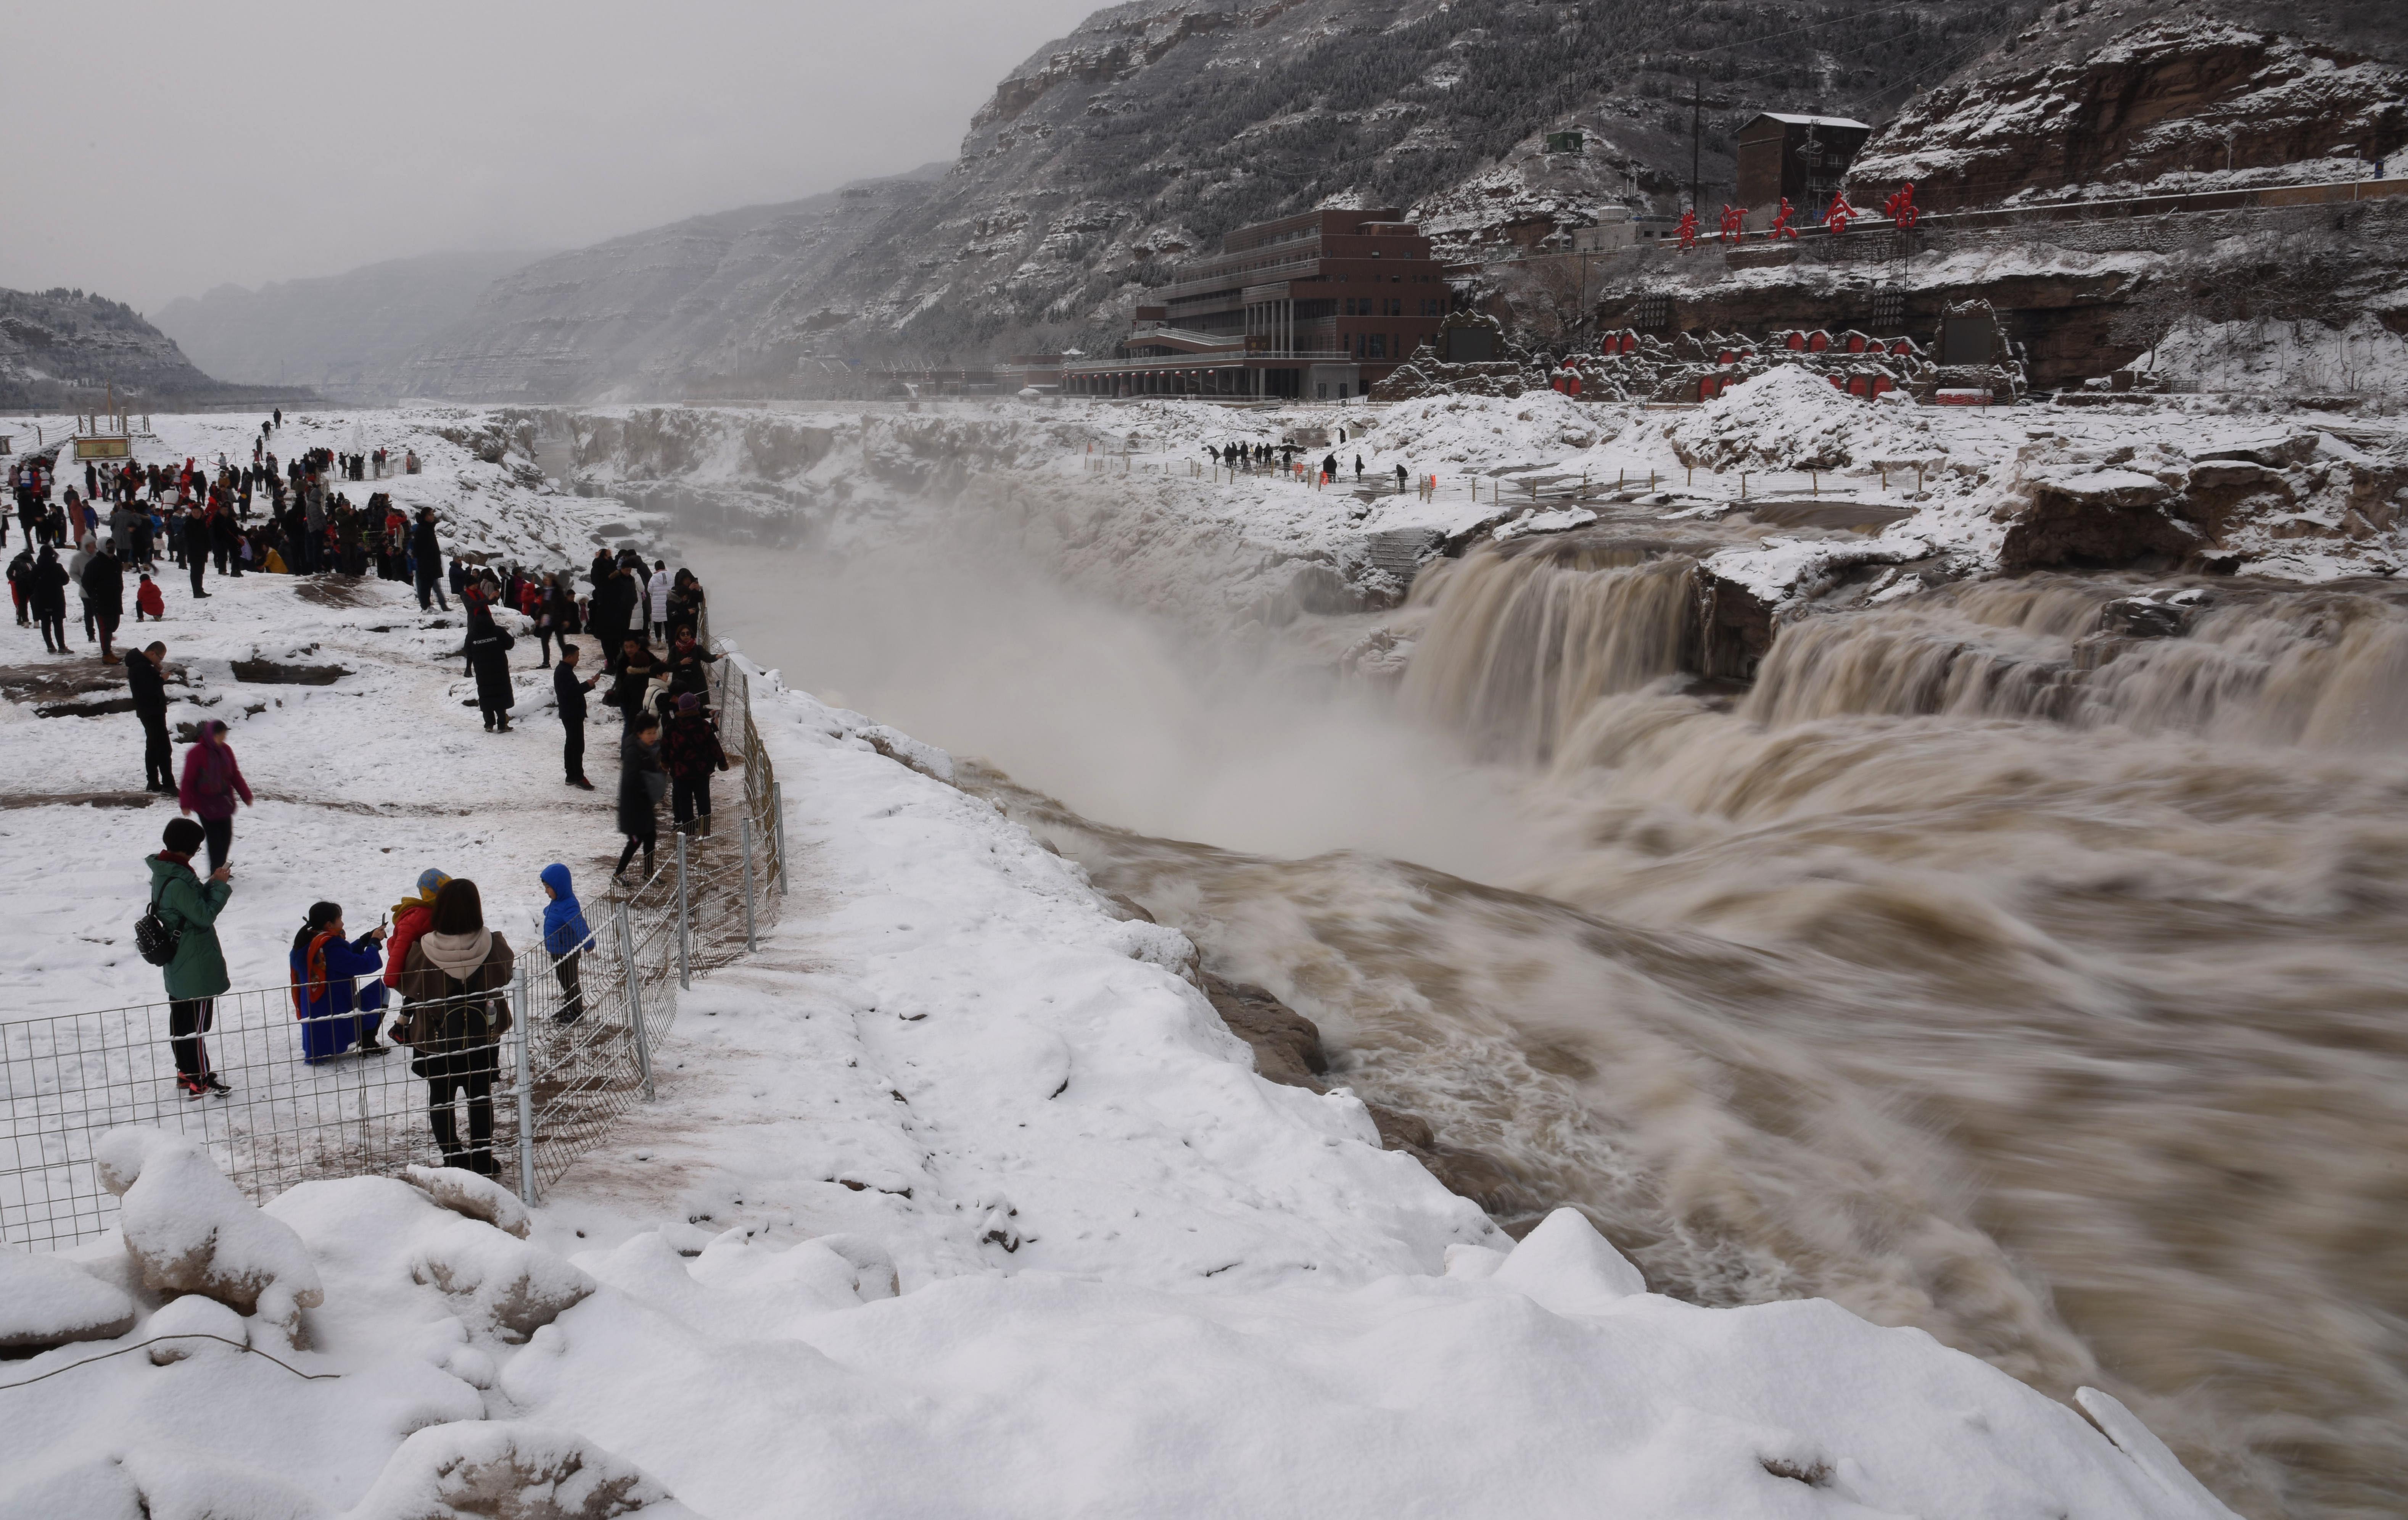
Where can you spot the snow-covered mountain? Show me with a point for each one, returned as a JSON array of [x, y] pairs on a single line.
[[345, 335], [56, 338], [1159, 124], [657, 312]]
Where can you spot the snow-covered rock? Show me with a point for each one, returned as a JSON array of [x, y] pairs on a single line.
[[1567, 1266], [46, 1301], [471, 1197], [507, 1470], [1786, 419], [191, 1231], [380, 1233], [509, 1285], [193, 1325]]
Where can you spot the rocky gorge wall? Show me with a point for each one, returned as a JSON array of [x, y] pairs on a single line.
[[2102, 100], [2084, 297]]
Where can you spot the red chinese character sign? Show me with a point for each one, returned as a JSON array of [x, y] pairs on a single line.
[[1899, 208], [1781, 227], [1734, 225], [1689, 230], [1840, 213]]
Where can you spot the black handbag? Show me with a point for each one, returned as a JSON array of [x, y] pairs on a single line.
[[152, 937]]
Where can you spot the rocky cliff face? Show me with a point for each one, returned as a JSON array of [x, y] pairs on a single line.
[[2133, 96], [2081, 299], [345, 336], [1152, 129], [55, 340]]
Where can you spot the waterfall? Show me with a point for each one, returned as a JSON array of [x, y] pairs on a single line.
[[2318, 668], [1519, 643]]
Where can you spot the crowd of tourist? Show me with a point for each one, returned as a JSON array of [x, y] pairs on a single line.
[[271, 516], [435, 966]]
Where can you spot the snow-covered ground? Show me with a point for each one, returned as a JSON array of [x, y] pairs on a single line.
[[957, 1198]]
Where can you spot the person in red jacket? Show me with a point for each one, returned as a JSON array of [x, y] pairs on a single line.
[[148, 603], [411, 917]]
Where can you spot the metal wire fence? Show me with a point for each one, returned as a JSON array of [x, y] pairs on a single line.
[[301, 1102]]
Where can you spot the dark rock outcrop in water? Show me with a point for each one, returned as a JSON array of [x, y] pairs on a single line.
[[1287, 1049], [1286, 1044]]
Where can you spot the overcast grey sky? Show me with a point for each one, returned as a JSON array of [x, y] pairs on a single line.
[[152, 149]]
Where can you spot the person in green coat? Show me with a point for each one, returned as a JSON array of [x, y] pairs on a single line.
[[197, 973]]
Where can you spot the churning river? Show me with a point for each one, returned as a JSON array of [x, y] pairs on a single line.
[[2043, 991]]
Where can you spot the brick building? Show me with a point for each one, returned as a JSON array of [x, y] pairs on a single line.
[[1319, 306]]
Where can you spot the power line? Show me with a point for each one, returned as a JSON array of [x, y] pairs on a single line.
[[144, 1345]]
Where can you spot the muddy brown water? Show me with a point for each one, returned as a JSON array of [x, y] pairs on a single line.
[[2042, 993]]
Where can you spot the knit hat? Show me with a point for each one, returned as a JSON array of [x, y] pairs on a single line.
[[430, 882], [688, 702]]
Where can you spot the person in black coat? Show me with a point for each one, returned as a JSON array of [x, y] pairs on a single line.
[[633, 677], [47, 589], [146, 682], [104, 598], [571, 694], [21, 582], [642, 782], [611, 617], [689, 666], [429, 557], [489, 657]]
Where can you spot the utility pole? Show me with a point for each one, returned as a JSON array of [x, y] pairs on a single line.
[[1697, 134], [1584, 301]]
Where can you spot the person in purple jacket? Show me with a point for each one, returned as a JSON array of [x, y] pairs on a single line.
[[212, 782]]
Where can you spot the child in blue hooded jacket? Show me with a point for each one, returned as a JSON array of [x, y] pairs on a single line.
[[565, 937]]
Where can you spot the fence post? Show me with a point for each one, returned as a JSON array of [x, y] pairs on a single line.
[[751, 939], [686, 936], [777, 830], [634, 1001], [526, 1083]]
